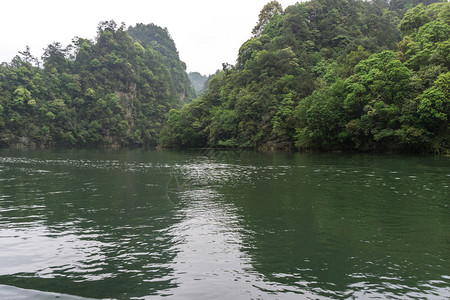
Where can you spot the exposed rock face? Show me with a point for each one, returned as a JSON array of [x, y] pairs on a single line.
[[23, 142], [273, 146]]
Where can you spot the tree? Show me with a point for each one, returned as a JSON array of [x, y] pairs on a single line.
[[434, 105], [110, 90], [247, 50], [413, 20], [269, 10], [55, 56]]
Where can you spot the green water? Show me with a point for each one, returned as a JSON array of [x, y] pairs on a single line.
[[223, 225]]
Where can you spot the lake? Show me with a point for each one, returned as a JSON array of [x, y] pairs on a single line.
[[208, 224]]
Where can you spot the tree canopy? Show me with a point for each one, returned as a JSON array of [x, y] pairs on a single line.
[[117, 89], [330, 75], [320, 75]]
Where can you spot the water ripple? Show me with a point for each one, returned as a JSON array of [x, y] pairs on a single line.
[[142, 224]]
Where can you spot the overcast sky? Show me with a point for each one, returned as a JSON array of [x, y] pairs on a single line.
[[207, 33]]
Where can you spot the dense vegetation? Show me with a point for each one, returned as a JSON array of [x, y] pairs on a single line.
[[330, 75], [199, 82], [117, 90], [321, 75]]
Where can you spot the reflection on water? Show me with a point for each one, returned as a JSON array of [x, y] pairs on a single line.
[[138, 223]]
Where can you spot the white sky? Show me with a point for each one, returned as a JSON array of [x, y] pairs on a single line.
[[207, 33]]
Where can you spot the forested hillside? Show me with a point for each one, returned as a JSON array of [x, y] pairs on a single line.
[[319, 75], [330, 75], [199, 82], [116, 90]]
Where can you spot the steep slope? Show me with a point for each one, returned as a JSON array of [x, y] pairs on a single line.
[[114, 90], [328, 75], [159, 39], [198, 81]]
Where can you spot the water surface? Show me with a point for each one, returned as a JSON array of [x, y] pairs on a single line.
[[223, 225]]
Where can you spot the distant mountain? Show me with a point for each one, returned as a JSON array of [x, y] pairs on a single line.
[[198, 81]]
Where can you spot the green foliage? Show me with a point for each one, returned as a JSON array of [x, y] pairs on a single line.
[[434, 104], [321, 75], [413, 20], [114, 90], [328, 75], [198, 82], [247, 50], [269, 11], [159, 40]]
